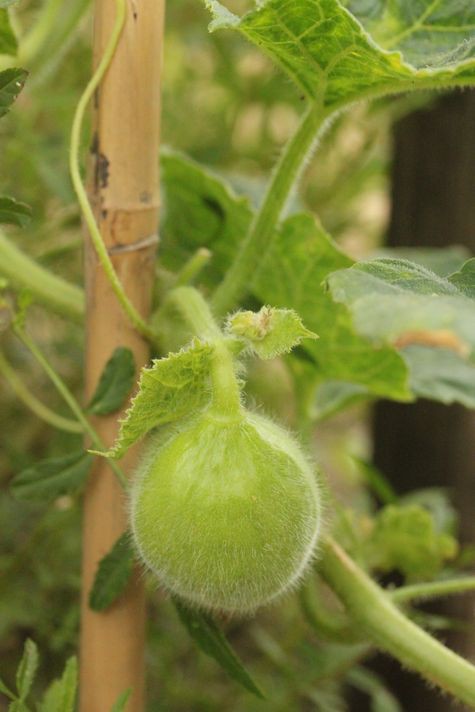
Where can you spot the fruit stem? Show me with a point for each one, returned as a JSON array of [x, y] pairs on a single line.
[[226, 398], [390, 630]]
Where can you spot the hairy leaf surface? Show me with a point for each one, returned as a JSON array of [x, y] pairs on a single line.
[[334, 60], [172, 388]]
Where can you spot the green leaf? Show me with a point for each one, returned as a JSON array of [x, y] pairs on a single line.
[[441, 260], [172, 388], [441, 375], [14, 213], [332, 58], [8, 43], [11, 84], [52, 478], [113, 574], [269, 332], [428, 33], [201, 210], [27, 669], [61, 694], [405, 539], [120, 703], [464, 279], [210, 639], [115, 383], [399, 301], [431, 319], [293, 278]]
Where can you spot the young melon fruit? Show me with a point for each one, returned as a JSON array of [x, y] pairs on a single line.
[[226, 512]]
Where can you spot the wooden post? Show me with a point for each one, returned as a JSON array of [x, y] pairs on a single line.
[[124, 193]]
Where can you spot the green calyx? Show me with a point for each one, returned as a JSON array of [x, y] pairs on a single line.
[[226, 513]]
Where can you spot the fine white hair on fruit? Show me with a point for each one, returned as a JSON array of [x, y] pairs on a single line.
[[227, 512]]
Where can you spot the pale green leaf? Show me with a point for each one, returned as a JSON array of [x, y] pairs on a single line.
[[464, 279], [120, 703], [61, 694], [333, 59], [172, 388], [52, 478], [115, 383], [405, 538], [8, 43], [112, 575], [269, 332], [11, 84], [441, 260], [210, 639], [292, 276], [441, 375], [27, 669], [428, 33], [14, 213], [399, 301]]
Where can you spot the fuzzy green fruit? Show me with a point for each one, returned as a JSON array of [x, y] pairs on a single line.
[[227, 512]]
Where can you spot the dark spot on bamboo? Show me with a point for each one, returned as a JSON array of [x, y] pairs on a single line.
[[95, 144], [101, 173]]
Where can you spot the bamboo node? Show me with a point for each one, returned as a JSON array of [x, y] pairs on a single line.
[[142, 244]]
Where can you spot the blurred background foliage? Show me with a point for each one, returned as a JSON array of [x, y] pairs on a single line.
[[225, 105]]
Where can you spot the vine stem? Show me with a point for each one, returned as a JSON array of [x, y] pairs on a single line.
[[136, 320], [52, 291], [286, 173], [68, 398], [433, 589], [36, 406], [390, 630], [195, 311]]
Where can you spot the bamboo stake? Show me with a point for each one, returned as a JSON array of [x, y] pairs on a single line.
[[124, 193]]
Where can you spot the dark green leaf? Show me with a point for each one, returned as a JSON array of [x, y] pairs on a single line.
[[112, 575], [61, 694], [210, 639], [27, 669], [201, 210], [8, 43], [120, 703], [52, 478], [11, 84], [115, 383], [293, 278], [14, 213]]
